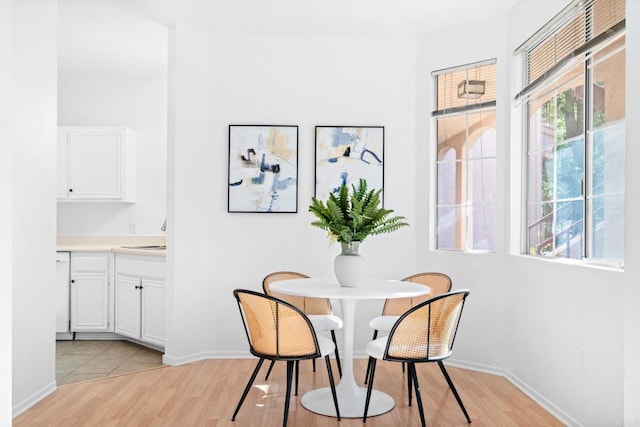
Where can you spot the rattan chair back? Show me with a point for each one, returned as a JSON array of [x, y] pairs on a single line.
[[308, 305], [427, 331], [275, 328], [439, 283]]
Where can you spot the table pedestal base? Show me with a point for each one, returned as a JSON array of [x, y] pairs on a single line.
[[350, 400]]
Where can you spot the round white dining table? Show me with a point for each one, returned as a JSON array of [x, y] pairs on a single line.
[[351, 397]]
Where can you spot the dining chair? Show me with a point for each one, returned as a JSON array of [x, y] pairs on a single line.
[[318, 310], [439, 283], [277, 330], [425, 333]]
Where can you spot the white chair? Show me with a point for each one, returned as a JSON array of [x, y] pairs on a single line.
[[439, 283], [318, 310], [277, 330], [423, 334]]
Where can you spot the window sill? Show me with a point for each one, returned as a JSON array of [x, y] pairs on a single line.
[[597, 264]]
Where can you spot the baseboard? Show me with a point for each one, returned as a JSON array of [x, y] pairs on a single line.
[[562, 416], [168, 359], [97, 336], [33, 399]]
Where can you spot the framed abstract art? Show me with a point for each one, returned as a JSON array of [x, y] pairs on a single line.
[[344, 154], [263, 168]]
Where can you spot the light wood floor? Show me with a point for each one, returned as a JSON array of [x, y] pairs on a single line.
[[205, 394]]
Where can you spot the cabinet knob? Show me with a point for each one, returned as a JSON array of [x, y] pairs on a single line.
[[73, 281], [71, 190]]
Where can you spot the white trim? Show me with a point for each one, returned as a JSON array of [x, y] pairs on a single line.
[[491, 61], [205, 355], [562, 416], [33, 399]]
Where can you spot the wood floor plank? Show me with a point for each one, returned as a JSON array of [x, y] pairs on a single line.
[[205, 394]]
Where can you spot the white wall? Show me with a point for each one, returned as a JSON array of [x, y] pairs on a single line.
[[483, 329], [526, 318], [6, 211], [33, 141], [299, 80], [138, 102], [562, 311], [632, 212]]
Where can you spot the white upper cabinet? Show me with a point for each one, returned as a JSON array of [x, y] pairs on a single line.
[[96, 164]]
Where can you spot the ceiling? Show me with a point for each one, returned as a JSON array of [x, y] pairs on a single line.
[[130, 36]]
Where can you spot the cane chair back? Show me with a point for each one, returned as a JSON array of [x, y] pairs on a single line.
[[308, 305], [427, 331], [439, 283], [276, 329], [318, 310]]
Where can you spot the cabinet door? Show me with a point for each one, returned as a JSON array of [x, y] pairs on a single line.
[[153, 311], [90, 301], [95, 166], [63, 187], [127, 306]]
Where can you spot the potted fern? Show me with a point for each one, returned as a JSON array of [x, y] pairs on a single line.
[[349, 218]]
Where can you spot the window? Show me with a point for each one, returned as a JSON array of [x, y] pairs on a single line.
[[465, 119], [573, 99]]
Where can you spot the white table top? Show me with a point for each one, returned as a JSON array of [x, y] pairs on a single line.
[[367, 289]]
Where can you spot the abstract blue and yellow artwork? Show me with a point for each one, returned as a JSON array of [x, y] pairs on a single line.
[[263, 168], [346, 154]]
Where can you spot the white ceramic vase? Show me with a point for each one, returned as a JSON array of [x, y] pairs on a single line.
[[349, 265]]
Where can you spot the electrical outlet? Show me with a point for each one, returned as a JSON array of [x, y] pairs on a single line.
[[133, 227], [583, 359]]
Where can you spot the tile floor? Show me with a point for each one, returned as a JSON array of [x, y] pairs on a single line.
[[86, 360]]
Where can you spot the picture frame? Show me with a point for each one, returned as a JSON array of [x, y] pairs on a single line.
[[263, 168], [344, 154]]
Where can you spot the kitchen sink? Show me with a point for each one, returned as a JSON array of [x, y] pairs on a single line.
[[148, 247]]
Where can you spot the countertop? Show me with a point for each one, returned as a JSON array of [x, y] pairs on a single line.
[[117, 244]]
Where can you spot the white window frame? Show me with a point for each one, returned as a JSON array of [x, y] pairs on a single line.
[[473, 108], [521, 100]]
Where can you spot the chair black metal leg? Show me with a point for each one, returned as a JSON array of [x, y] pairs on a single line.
[[366, 375], [333, 337], [247, 388], [288, 395], [409, 387], [414, 375], [273, 362], [372, 364], [297, 374], [333, 386], [314, 364], [453, 389], [403, 367]]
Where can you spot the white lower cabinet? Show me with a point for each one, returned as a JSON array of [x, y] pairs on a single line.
[[91, 293], [140, 298]]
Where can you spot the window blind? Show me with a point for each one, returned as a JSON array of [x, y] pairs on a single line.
[[573, 32], [447, 81]]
